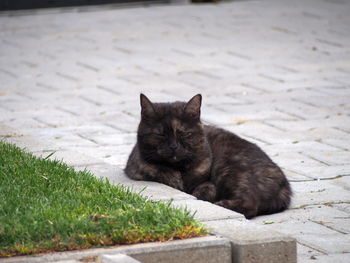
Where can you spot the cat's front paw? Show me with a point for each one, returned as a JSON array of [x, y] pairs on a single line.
[[175, 181], [178, 184], [205, 191]]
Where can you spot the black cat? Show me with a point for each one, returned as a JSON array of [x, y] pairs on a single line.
[[174, 148]]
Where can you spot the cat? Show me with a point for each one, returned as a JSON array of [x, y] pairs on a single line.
[[174, 148]]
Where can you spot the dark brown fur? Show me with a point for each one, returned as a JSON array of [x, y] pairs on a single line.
[[174, 148]]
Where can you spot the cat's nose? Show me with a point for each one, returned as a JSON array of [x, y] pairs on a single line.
[[173, 146]]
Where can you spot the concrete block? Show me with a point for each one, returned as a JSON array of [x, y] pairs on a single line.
[[304, 125], [118, 156], [113, 155], [338, 142], [336, 257], [113, 173], [261, 132], [332, 243], [305, 252], [63, 140], [293, 176], [214, 116], [74, 158], [343, 207], [208, 249], [251, 244], [327, 216], [68, 261], [7, 131], [153, 190], [318, 192], [252, 112], [28, 143], [329, 157], [289, 160], [114, 139], [157, 191], [205, 211], [299, 146], [301, 110], [118, 258], [343, 182], [272, 135], [322, 171], [317, 235]]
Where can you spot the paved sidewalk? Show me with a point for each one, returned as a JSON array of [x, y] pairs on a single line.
[[276, 72]]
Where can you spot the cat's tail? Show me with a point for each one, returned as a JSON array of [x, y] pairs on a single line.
[[279, 202]]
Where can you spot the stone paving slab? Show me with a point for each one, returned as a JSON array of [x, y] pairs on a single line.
[[153, 190], [157, 191], [205, 211], [320, 230], [111, 172], [318, 192], [327, 216], [341, 258], [74, 159]]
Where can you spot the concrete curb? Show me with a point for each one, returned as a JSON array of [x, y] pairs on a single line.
[[236, 239], [120, 258], [203, 249], [253, 244]]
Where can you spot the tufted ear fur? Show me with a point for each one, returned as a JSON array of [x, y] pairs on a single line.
[[147, 109], [193, 107]]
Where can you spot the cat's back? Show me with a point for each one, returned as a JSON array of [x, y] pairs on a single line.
[[221, 140], [228, 148]]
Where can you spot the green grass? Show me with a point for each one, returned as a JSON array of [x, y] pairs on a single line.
[[47, 206]]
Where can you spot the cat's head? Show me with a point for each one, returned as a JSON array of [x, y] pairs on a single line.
[[170, 133]]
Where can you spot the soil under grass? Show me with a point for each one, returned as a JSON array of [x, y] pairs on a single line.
[[47, 206]]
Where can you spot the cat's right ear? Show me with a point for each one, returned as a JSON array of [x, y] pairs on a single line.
[[147, 109], [193, 107]]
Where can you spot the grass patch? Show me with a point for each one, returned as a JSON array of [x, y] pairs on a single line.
[[48, 206]]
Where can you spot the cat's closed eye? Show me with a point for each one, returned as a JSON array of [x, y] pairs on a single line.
[[159, 135], [155, 135], [184, 134]]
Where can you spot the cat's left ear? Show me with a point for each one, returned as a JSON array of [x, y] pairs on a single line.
[[147, 110], [193, 107]]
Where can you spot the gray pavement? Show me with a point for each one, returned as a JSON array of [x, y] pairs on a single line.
[[274, 72]]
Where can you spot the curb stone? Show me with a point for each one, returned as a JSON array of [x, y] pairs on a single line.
[[118, 258], [253, 244], [208, 249], [236, 239]]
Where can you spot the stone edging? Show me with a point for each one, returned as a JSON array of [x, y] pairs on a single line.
[[208, 249]]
